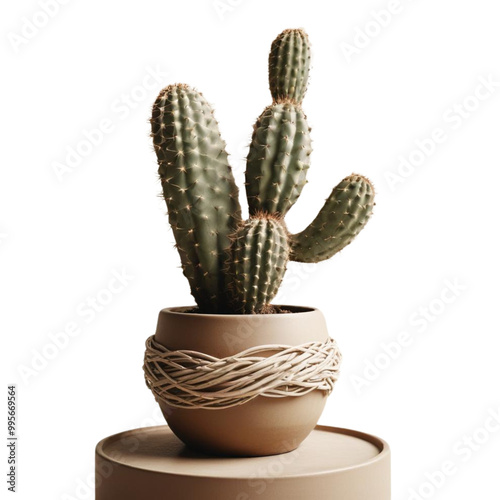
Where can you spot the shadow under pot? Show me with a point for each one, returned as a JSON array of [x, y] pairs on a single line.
[[241, 385]]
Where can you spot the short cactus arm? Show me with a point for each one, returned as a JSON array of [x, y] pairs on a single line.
[[278, 159], [257, 263], [289, 62], [198, 186], [344, 214]]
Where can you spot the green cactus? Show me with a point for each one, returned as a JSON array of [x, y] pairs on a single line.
[[198, 186], [289, 62], [235, 266], [278, 159], [344, 214], [257, 263]]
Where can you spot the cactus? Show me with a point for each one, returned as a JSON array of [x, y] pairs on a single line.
[[289, 62], [198, 186], [257, 263], [278, 158], [344, 214], [236, 266]]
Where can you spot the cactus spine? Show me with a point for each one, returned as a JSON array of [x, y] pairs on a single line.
[[234, 266]]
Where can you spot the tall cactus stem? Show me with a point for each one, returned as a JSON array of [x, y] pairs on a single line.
[[198, 186]]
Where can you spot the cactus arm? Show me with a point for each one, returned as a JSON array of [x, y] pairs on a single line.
[[289, 62], [257, 263], [278, 159], [198, 186], [344, 214]]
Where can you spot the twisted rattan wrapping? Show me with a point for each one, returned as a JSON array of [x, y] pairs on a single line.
[[190, 379]]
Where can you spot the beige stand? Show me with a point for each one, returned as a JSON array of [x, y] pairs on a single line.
[[331, 464]]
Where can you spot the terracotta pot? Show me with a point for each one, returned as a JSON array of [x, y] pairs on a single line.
[[262, 426]]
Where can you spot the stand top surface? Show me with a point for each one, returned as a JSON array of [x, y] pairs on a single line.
[[326, 450]]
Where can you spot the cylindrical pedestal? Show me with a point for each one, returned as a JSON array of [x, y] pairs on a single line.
[[331, 464]]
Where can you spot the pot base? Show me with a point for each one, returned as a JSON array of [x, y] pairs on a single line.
[[277, 425], [331, 464]]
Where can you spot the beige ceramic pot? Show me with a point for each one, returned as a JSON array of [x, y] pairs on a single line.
[[262, 426]]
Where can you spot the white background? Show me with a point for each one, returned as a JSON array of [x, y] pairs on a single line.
[[63, 236]]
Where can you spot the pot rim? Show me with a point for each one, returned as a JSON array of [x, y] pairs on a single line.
[[293, 309]]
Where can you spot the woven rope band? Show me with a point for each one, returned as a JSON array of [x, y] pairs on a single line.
[[190, 379]]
